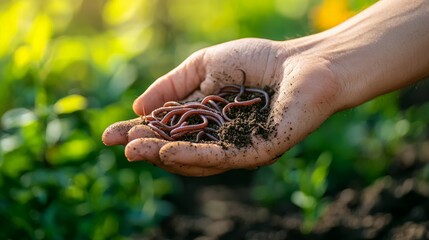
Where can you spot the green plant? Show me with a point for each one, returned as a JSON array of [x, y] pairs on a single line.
[[312, 187], [70, 68]]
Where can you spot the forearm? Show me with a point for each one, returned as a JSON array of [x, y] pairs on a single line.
[[382, 49]]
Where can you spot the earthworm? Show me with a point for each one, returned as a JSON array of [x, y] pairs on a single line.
[[203, 133], [239, 93], [171, 108], [174, 112], [171, 121], [209, 129], [235, 104], [160, 132], [216, 120], [214, 98], [189, 128], [160, 125], [267, 98], [171, 103], [214, 105]]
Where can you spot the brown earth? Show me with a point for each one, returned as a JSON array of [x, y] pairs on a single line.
[[395, 206]]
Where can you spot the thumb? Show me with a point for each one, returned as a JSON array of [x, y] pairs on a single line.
[[175, 85]]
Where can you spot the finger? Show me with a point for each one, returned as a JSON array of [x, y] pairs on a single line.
[[141, 131], [192, 171], [215, 155], [117, 133], [148, 149], [175, 85]]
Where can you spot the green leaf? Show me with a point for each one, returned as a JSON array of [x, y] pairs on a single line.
[[15, 163], [69, 104]]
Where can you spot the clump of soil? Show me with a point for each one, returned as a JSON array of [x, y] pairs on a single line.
[[247, 121]]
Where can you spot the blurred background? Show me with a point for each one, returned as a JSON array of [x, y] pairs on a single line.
[[69, 68]]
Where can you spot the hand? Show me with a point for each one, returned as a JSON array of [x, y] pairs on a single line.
[[379, 50], [305, 95]]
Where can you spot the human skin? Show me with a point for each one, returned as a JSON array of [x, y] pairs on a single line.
[[382, 49]]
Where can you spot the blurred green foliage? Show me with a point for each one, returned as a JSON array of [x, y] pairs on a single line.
[[69, 68]]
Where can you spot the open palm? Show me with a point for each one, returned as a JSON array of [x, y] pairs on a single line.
[[305, 95]]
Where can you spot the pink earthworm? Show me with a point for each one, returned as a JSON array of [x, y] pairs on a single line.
[[161, 126], [239, 94], [205, 113], [214, 105], [181, 134], [214, 98], [160, 132], [209, 129], [203, 133], [235, 104], [173, 120], [267, 98], [148, 118], [171, 103], [191, 112], [216, 120], [202, 112], [180, 108], [194, 105], [161, 110], [174, 112], [199, 106], [200, 135], [233, 88], [190, 128]]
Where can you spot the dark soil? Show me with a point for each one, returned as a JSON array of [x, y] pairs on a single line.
[[393, 207], [247, 122]]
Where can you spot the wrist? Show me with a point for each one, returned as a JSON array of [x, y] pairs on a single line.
[[380, 50], [311, 77]]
